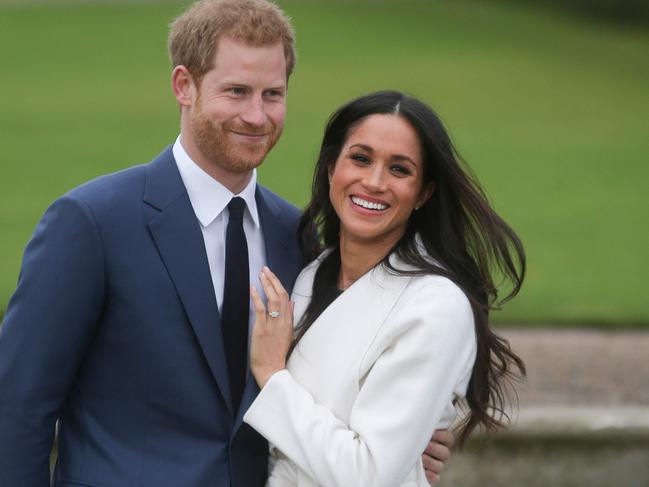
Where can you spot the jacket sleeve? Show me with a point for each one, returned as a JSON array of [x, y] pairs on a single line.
[[49, 323], [426, 361]]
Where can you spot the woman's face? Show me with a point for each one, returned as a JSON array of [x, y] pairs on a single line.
[[377, 180]]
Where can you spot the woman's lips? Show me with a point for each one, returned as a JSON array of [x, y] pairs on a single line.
[[369, 204]]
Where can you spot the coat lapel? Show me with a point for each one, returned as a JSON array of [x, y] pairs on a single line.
[[357, 313], [178, 237]]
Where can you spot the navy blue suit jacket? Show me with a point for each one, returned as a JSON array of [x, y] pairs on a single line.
[[114, 331]]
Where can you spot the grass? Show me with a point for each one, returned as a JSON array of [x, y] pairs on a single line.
[[549, 110]]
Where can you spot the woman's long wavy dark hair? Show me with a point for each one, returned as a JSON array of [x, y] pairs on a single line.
[[458, 229]]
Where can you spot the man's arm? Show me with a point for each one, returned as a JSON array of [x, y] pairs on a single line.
[[437, 454], [46, 331]]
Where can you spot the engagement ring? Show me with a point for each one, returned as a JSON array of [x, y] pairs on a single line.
[[273, 314]]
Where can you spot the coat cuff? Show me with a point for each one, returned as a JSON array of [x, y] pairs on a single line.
[[266, 409]]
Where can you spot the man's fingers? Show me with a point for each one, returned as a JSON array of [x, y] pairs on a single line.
[[432, 478], [445, 437], [432, 465], [437, 451]]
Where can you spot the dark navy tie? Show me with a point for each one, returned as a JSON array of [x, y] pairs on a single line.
[[236, 299]]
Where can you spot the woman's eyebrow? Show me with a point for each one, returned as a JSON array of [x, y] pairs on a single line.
[[402, 158], [362, 146]]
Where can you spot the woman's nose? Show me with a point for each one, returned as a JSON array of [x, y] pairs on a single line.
[[375, 178]]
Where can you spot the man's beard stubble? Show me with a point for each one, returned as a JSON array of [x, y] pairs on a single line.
[[213, 142]]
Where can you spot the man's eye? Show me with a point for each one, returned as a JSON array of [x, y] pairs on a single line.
[[235, 90], [274, 93]]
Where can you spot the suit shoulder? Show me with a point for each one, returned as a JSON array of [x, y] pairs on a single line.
[[110, 187]]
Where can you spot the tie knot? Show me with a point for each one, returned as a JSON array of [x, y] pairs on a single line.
[[236, 207]]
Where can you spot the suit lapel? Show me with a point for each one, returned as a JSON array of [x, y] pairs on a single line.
[[277, 239], [179, 240]]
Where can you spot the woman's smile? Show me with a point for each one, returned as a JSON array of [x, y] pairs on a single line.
[[377, 180]]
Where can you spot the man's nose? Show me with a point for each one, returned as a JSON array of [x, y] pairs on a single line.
[[253, 113]]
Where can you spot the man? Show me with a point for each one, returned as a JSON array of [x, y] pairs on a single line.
[[123, 324]]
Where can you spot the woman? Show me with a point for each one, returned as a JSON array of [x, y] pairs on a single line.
[[392, 318]]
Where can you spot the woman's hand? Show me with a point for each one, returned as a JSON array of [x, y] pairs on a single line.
[[273, 330]]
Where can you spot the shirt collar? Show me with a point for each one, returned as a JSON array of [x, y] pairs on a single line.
[[207, 195]]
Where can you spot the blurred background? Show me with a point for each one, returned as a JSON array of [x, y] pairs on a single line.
[[548, 105], [547, 101]]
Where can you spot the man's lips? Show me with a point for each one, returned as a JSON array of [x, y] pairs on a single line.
[[252, 135]]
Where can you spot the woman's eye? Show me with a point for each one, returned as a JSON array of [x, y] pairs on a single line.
[[360, 158], [400, 170]]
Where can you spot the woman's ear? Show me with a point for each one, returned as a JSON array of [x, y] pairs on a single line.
[[425, 194]]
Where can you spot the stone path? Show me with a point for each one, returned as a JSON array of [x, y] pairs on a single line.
[[591, 368], [583, 419]]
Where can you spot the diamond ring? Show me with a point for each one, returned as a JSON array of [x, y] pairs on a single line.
[[273, 314]]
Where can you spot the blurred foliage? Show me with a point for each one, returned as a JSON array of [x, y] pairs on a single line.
[[548, 109], [628, 11]]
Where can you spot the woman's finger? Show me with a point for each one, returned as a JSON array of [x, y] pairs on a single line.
[[276, 283], [260, 309], [273, 300], [278, 291]]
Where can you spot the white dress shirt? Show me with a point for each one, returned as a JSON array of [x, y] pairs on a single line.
[[210, 199]]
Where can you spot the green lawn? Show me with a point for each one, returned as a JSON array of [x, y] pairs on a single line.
[[550, 111]]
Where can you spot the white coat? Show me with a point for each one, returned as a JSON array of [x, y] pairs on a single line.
[[369, 382]]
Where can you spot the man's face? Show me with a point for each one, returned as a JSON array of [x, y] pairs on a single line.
[[240, 107]]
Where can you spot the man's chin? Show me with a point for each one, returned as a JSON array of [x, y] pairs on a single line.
[[250, 158], [245, 164]]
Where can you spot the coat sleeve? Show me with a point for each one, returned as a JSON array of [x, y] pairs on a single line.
[[424, 364], [49, 323]]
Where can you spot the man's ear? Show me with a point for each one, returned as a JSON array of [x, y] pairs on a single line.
[[182, 84], [425, 194]]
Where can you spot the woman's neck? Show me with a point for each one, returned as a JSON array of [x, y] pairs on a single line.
[[358, 257]]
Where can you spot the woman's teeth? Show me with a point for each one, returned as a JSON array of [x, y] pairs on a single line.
[[367, 204]]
